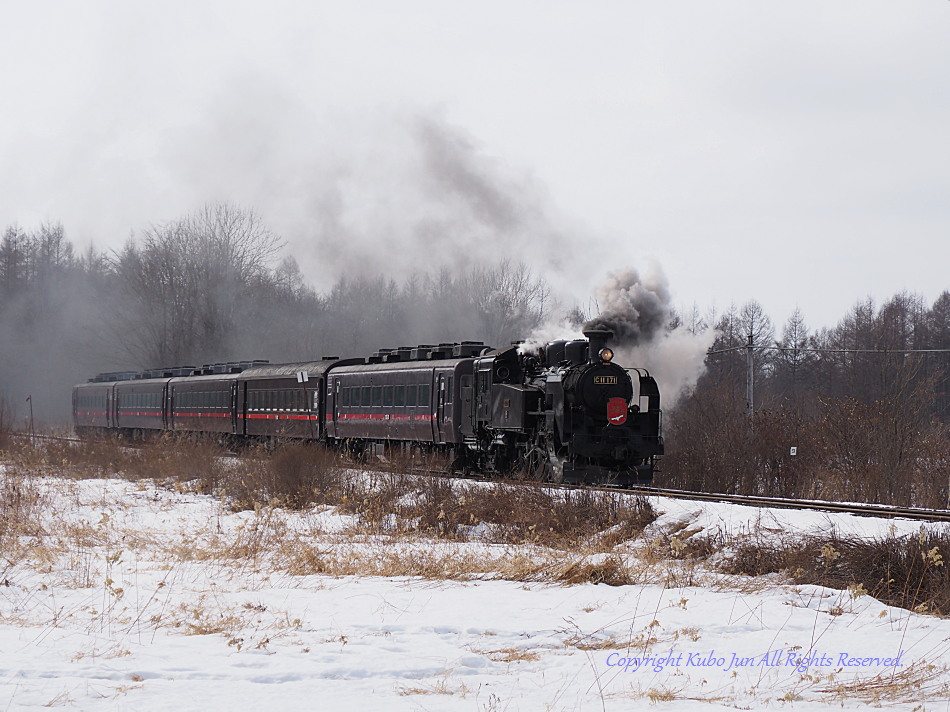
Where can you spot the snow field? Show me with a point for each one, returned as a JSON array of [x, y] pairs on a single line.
[[139, 597]]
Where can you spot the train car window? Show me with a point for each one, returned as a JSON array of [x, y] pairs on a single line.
[[424, 395], [365, 396], [377, 396], [448, 389], [387, 396], [346, 398], [399, 396], [411, 395]]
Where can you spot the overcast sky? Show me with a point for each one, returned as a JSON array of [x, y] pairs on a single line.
[[797, 153]]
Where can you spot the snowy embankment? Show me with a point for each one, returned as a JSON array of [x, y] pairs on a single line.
[[136, 596]]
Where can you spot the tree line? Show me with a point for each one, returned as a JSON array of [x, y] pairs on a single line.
[[864, 404], [212, 287]]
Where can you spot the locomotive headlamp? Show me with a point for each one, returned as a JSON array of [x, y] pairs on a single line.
[[606, 354]]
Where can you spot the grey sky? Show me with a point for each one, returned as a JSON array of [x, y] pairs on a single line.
[[797, 153]]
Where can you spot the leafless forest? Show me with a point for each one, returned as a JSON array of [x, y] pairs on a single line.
[[213, 287], [865, 404]]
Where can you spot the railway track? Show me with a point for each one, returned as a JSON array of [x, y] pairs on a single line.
[[861, 510], [858, 509]]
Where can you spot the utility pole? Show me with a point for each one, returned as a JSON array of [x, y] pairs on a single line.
[[749, 407], [29, 400]]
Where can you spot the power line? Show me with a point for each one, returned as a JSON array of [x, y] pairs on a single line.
[[750, 347], [892, 352]]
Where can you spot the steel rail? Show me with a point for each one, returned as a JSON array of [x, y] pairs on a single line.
[[859, 509]]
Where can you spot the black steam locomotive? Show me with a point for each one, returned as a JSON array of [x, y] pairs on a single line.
[[566, 413]]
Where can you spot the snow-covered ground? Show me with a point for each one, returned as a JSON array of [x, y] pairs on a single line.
[[141, 597]]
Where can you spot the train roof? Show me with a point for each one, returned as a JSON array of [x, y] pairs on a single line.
[[312, 368]]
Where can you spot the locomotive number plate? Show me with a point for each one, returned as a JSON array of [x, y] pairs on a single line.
[[605, 380]]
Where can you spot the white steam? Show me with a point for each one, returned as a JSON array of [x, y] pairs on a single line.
[[637, 308]]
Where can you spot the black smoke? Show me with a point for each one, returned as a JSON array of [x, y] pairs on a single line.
[[636, 308]]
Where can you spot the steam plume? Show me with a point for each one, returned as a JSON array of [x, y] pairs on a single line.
[[635, 308]]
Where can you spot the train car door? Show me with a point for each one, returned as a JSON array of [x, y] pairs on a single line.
[[242, 408], [169, 406], [313, 410], [440, 409], [235, 409], [333, 399]]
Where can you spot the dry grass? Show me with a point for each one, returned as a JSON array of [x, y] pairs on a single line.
[[21, 506], [500, 513], [295, 476], [509, 655], [163, 459], [909, 572], [915, 683]]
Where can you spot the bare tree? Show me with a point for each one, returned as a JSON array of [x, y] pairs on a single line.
[[181, 289]]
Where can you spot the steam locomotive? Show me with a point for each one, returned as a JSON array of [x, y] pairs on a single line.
[[565, 413]]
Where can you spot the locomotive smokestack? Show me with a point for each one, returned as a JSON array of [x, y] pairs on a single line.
[[598, 339]]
